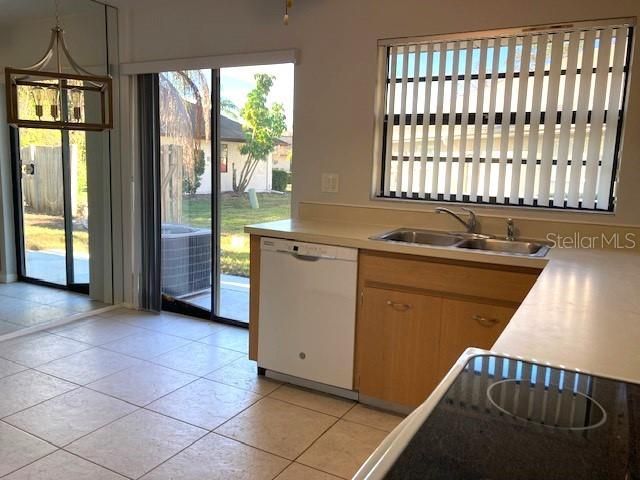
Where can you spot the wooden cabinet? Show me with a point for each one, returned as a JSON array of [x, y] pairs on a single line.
[[469, 324], [416, 315], [399, 345]]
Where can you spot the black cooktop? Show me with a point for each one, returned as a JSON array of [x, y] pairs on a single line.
[[506, 419]]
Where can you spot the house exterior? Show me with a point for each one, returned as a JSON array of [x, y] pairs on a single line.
[[231, 141]]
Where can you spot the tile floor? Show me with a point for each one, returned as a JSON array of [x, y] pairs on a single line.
[[24, 305], [135, 395]]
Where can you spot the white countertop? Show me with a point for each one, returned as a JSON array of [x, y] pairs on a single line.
[[582, 313]]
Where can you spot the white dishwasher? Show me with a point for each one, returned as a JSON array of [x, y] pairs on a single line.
[[307, 310]]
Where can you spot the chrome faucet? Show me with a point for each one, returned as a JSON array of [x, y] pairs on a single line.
[[469, 225], [511, 230]]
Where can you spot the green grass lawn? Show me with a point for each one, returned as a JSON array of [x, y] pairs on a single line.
[[235, 214], [43, 232], [46, 232]]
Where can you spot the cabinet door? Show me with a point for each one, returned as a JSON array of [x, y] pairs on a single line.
[[469, 324], [398, 336]]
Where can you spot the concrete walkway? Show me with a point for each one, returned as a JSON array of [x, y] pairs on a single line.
[[234, 298], [50, 266]]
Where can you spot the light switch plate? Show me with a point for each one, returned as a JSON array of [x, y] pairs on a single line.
[[330, 183]]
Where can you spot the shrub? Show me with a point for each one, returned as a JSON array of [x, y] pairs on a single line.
[[279, 180]]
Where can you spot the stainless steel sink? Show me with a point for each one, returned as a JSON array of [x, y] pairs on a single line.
[[420, 237], [511, 247], [468, 241]]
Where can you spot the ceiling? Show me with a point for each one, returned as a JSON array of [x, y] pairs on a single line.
[[19, 11]]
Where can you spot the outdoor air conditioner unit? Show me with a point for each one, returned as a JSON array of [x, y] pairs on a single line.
[[186, 260]]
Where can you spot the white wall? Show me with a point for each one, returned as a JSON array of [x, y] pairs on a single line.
[[260, 181], [335, 78]]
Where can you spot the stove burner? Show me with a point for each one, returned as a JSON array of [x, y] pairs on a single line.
[[546, 405]]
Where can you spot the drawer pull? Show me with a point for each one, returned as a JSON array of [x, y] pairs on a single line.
[[486, 322], [401, 307]]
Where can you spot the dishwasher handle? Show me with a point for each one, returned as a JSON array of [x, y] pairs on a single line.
[[306, 258], [300, 256]]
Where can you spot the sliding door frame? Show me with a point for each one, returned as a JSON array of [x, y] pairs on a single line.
[[18, 215], [177, 305]]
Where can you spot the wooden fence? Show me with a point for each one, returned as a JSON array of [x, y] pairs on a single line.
[[42, 181], [171, 185]]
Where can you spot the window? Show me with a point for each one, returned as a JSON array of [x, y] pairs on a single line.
[[521, 117], [224, 158]]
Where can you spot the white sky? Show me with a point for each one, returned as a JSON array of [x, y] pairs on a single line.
[[235, 84]]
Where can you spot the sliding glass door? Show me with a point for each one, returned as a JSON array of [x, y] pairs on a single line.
[[225, 162], [256, 112], [188, 222]]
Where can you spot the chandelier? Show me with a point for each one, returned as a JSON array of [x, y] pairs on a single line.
[[74, 99]]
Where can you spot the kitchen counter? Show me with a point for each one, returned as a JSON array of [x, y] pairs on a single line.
[[582, 313]]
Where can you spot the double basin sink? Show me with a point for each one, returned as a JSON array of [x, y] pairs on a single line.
[[468, 241]]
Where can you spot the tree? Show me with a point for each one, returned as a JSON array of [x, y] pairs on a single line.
[[228, 108], [262, 128], [184, 124], [191, 180]]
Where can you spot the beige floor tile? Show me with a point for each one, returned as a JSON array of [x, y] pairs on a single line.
[[35, 350], [89, 365], [233, 338], [70, 416], [277, 427], [129, 314], [62, 465], [26, 389], [142, 384], [343, 449], [218, 458], [185, 327], [69, 325], [35, 314], [146, 345], [317, 401], [197, 358], [243, 374], [98, 331], [39, 294], [18, 449], [136, 443], [296, 471], [8, 327], [9, 368], [204, 403], [373, 417], [78, 304]]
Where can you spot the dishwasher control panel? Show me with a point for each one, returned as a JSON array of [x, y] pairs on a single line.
[[308, 249]]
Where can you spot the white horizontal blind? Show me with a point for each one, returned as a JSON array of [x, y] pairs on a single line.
[[526, 119]]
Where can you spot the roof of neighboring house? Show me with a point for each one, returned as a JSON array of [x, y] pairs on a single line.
[[230, 130]]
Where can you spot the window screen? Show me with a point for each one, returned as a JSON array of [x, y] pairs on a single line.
[[527, 117]]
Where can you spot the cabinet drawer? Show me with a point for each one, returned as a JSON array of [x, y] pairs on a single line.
[[508, 284], [398, 336], [469, 324]]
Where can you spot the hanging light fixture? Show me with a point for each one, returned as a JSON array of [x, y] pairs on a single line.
[[38, 98], [287, 6]]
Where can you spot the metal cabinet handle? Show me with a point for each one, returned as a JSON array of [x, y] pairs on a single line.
[[486, 322], [401, 307]]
